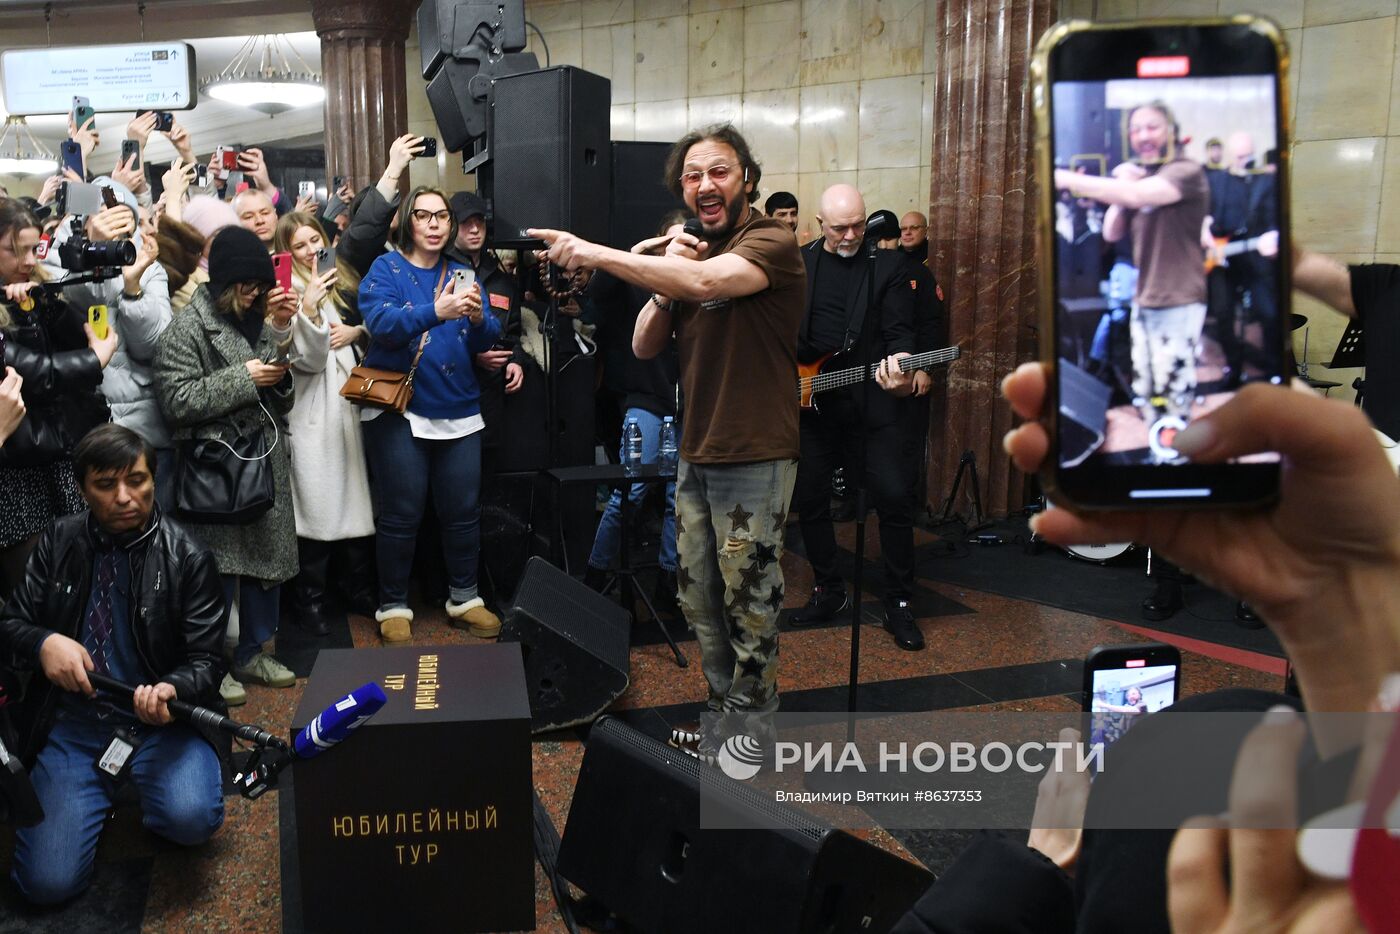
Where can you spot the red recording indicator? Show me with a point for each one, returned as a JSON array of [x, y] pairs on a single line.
[[1135, 663], [1164, 66]]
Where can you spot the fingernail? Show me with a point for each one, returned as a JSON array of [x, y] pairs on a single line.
[[1194, 438], [1280, 715], [1006, 379], [1006, 440], [1389, 696], [1035, 522]]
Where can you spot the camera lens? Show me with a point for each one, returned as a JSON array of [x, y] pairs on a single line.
[[110, 253]]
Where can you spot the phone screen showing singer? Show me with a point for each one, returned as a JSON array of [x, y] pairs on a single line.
[[1167, 282]]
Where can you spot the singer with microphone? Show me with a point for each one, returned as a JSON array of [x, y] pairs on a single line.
[[732, 290], [124, 591]]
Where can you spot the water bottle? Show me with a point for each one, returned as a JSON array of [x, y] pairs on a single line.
[[666, 461], [632, 447]]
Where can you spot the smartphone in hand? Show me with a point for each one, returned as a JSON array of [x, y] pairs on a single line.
[[71, 156], [82, 111], [97, 317], [131, 147], [1124, 682], [282, 269], [306, 190], [1131, 124]]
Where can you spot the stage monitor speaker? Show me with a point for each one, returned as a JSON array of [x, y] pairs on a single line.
[[549, 155], [575, 642], [448, 27], [672, 877], [1083, 412], [640, 197]]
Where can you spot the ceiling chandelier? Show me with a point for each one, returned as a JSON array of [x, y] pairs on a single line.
[[261, 77], [21, 153]]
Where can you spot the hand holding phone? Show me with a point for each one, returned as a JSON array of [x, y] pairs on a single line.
[[82, 111], [1137, 103], [1122, 682], [71, 157], [97, 317], [282, 269]]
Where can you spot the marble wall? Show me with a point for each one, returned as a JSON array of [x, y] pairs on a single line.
[[825, 90], [1345, 108]]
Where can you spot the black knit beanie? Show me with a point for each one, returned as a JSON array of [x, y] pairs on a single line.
[[237, 255]]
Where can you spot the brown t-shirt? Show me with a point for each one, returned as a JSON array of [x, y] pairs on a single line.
[[738, 356], [1167, 240]]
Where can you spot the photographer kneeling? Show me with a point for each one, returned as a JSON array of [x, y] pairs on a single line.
[[122, 590]]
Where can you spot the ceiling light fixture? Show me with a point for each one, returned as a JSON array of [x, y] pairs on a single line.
[[21, 153], [260, 77]]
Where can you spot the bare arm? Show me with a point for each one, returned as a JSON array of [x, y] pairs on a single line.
[[1152, 191], [652, 330], [1115, 224], [1324, 279], [675, 276]]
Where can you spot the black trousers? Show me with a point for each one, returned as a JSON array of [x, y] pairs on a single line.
[[829, 439], [344, 567]]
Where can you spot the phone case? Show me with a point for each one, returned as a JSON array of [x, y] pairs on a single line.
[[1043, 164], [282, 269]]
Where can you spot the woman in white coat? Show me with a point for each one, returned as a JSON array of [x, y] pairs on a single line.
[[330, 482]]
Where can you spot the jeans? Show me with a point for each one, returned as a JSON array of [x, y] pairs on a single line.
[[259, 609], [405, 469], [729, 576], [175, 771], [607, 540]]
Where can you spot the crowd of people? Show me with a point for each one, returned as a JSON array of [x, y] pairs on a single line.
[[113, 560]]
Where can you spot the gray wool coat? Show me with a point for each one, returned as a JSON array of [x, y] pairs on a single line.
[[205, 391]]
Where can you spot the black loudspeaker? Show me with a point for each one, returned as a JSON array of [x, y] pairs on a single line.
[[639, 194], [672, 877], [575, 643], [549, 163], [1083, 412]]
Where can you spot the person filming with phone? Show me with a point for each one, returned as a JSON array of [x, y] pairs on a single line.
[[422, 323]]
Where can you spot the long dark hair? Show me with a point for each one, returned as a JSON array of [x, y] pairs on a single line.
[[14, 217]]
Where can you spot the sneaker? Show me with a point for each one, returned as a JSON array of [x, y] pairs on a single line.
[[473, 617], [899, 622], [232, 692], [395, 624], [264, 669], [825, 603]]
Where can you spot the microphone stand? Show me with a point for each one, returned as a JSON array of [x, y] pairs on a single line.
[[868, 333]]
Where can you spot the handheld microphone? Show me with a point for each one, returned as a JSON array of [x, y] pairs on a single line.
[[695, 228], [339, 720], [327, 728]]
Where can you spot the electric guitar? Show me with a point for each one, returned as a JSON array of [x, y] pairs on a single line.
[[822, 375], [1219, 255]]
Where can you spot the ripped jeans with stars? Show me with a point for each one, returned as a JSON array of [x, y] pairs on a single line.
[[729, 542]]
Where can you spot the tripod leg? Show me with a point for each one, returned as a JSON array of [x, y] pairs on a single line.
[[681, 660]]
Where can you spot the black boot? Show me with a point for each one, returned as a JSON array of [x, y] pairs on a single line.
[[827, 600], [1164, 602], [359, 578], [1246, 618], [309, 587]]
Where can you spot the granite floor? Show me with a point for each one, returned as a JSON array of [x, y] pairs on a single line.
[[985, 652]]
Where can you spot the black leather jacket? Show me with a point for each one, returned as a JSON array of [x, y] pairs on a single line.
[[62, 382], [176, 614]]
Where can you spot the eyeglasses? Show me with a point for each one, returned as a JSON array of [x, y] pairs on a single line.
[[421, 216], [254, 290], [717, 173]]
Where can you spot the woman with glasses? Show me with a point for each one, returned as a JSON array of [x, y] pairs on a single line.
[[45, 341], [218, 375], [330, 481], [416, 311]]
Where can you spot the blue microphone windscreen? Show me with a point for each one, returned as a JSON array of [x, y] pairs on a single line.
[[337, 721]]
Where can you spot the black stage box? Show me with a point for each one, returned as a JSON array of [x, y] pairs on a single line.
[[422, 818]]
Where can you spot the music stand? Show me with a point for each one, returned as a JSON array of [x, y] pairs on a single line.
[[1351, 352]]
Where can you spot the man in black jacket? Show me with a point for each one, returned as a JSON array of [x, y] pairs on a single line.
[[837, 283], [121, 590]]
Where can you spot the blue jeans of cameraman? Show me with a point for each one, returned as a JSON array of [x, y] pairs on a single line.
[[607, 541], [174, 770]]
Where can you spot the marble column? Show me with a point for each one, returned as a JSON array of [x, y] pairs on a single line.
[[982, 231], [362, 64]]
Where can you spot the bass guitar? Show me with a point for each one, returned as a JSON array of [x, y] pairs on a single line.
[[1219, 255], [828, 373]]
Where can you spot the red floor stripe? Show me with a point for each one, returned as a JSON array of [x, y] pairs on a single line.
[[1269, 664]]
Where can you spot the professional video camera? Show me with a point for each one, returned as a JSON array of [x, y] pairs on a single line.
[[104, 258]]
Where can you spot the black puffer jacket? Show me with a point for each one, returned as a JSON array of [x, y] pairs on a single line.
[[176, 614], [62, 382]]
